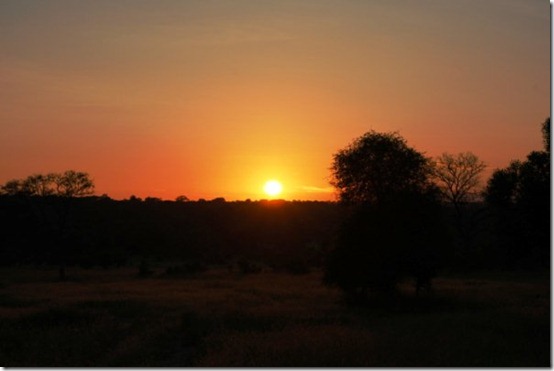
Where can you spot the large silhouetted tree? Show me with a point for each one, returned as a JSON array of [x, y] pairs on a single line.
[[519, 196], [394, 229], [378, 166]]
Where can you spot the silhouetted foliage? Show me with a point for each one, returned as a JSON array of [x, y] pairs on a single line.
[[519, 196], [378, 166], [379, 245], [458, 178], [104, 232], [394, 229], [49, 199], [73, 184], [546, 135], [68, 184]]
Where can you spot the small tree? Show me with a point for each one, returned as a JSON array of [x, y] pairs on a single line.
[[394, 228], [458, 177]]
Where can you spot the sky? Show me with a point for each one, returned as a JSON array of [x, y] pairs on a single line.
[[206, 98]]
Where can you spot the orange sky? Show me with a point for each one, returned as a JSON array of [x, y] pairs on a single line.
[[212, 98]]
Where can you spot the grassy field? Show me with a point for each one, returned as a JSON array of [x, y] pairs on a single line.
[[220, 318]]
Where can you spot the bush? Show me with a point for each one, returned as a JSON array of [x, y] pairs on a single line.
[[378, 246]]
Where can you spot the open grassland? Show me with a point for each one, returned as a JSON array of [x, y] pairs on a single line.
[[221, 318]]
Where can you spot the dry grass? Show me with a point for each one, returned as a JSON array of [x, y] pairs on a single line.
[[114, 318]]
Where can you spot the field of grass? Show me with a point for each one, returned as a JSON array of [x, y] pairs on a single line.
[[221, 318]]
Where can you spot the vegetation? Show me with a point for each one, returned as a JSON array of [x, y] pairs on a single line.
[[394, 229], [68, 184], [100, 232], [377, 167], [218, 283], [224, 319], [458, 179], [519, 197]]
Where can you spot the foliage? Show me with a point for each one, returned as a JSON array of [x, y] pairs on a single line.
[[378, 246], [519, 196], [458, 176], [49, 197], [68, 184], [395, 228], [106, 232], [545, 129], [378, 166], [458, 179]]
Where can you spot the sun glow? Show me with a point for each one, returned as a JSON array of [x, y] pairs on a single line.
[[273, 188]]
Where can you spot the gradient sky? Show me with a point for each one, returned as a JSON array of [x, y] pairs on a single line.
[[212, 98]]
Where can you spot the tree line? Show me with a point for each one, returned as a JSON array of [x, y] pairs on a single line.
[[400, 215]]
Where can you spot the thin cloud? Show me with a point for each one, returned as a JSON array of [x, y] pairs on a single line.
[[313, 189]]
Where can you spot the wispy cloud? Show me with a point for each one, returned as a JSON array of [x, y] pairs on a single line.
[[313, 189]]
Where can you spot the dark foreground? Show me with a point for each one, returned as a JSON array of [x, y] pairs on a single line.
[[222, 318]]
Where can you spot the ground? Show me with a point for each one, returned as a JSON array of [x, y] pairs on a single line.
[[221, 318]]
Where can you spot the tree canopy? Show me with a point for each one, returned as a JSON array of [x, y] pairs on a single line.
[[520, 197], [458, 176], [395, 228], [68, 184], [377, 166]]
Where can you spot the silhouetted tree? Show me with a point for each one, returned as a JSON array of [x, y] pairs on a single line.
[[12, 187], [520, 198], [182, 198], [73, 184], [378, 166], [458, 178], [39, 184], [64, 187], [68, 184], [394, 229]]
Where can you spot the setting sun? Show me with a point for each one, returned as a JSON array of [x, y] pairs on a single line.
[[273, 188]]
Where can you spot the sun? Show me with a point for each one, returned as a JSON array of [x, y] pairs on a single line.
[[273, 188]]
